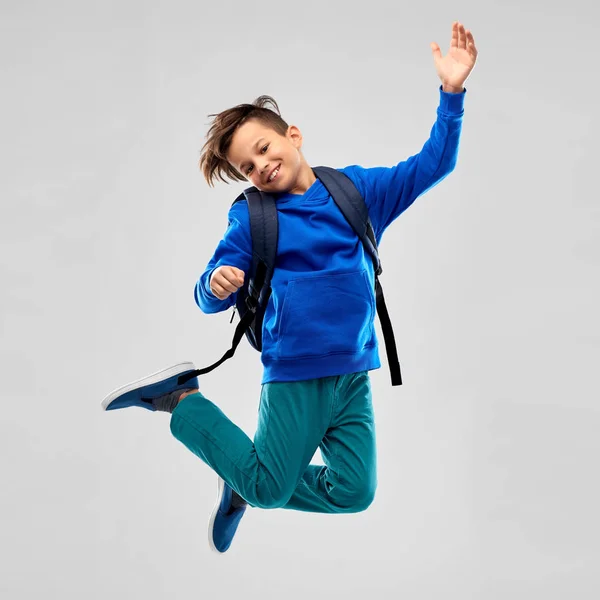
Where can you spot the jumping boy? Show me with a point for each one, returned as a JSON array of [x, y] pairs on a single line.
[[319, 341]]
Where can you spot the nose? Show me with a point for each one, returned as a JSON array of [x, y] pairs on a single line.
[[265, 169]]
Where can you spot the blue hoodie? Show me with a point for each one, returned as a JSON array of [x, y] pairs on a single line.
[[320, 317]]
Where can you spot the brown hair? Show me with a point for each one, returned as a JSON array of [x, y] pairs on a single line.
[[213, 157]]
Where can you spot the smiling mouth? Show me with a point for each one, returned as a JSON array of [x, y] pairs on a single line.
[[274, 174]]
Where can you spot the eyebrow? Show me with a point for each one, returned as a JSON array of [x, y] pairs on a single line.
[[255, 145]]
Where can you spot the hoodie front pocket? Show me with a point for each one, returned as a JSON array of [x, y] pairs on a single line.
[[326, 314]]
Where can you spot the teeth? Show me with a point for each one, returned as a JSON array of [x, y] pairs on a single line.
[[273, 174]]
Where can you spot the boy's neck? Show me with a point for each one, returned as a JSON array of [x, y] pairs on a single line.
[[305, 180]]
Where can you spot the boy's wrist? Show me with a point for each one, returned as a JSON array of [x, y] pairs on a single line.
[[449, 89]]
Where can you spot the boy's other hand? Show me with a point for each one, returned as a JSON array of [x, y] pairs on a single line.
[[225, 281]]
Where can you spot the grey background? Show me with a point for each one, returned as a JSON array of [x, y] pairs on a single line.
[[488, 453]]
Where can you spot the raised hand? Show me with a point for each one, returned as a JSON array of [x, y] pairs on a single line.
[[454, 68]]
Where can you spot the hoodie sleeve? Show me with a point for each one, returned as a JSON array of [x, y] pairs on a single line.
[[389, 191], [234, 250]]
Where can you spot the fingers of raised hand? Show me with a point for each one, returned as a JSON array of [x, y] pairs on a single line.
[[455, 35], [470, 43], [462, 38], [459, 37]]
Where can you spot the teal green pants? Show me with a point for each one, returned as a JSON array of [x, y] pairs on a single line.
[[334, 414]]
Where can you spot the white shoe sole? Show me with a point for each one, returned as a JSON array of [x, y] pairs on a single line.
[[213, 516], [148, 380]]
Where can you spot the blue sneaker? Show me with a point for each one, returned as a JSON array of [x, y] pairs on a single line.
[[142, 392], [225, 518]]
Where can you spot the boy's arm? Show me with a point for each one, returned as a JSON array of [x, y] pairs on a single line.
[[389, 191], [234, 250]]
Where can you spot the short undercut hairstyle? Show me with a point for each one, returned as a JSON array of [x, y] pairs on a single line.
[[213, 156]]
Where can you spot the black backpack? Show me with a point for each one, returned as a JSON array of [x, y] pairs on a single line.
[[253, 296]]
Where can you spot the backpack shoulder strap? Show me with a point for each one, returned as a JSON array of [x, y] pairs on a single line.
[[264, 229], [264, 232], [353, 207]]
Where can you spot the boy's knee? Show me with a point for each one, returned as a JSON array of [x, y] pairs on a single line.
[[359, 498], [268, 498], [364, 497]]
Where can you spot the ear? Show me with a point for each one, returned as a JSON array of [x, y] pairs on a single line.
[[294, 135]]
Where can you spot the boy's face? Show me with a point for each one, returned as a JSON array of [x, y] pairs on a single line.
[[270, 161]]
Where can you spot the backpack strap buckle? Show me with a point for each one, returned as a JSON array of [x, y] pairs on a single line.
[[251, 303]]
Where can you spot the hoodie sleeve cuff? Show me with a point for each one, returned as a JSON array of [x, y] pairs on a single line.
[[452, 104]]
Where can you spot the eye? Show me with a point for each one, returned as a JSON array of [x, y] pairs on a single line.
[[262, 150]]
